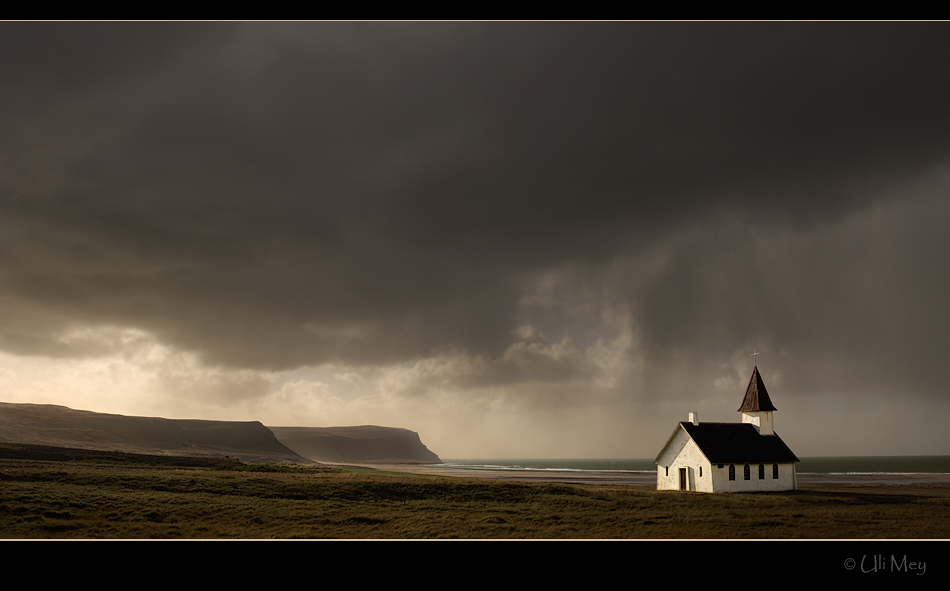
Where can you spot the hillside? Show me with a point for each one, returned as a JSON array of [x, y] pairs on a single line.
[[59, 426], [62, 427], [367, 443]]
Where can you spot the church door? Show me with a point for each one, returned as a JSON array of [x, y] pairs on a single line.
[[683, 485]]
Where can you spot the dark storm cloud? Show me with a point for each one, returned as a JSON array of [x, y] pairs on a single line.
[[848, 308], [282, 194]]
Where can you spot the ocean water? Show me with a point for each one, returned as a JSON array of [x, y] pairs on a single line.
[[811, 465]]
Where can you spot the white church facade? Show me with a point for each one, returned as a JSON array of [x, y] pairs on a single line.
[[729, 457]]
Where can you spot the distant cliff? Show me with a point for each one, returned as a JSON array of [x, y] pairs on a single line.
[[251, 441], [367, 444], [59, 426]]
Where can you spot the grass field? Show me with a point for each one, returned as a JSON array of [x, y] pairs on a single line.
[[93, 496]]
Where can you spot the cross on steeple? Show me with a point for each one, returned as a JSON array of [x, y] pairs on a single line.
[[754, 353]]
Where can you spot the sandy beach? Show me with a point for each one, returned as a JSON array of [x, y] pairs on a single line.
[[563, 476], [648, 479]]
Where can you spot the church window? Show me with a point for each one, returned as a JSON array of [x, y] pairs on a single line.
[[746, 472], [732, 472], [700, 471], [774, 471], [761, 471]]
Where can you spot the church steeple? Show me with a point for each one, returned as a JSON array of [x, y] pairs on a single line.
[[757, 407], [756, 396]]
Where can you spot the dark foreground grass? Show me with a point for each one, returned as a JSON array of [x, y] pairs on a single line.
[[125, 499]]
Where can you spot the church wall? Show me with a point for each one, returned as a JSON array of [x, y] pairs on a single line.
[[786, 478], [683, 453]]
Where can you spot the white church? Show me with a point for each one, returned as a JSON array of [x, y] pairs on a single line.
[[729, 457]]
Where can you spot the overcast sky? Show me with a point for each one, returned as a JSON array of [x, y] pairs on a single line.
[[517, 239]]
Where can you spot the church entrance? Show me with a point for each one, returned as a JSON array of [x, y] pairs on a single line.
[[683, 481]]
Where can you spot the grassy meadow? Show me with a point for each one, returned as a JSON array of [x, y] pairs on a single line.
[[92, 496]]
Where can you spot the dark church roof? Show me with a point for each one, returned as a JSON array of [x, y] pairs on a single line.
[[734, 443], [756, 396]]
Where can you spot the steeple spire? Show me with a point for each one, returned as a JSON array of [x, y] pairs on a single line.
[[756, 396], [757, 407]]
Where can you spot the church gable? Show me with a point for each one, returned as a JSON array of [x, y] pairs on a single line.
[[681, 465]]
